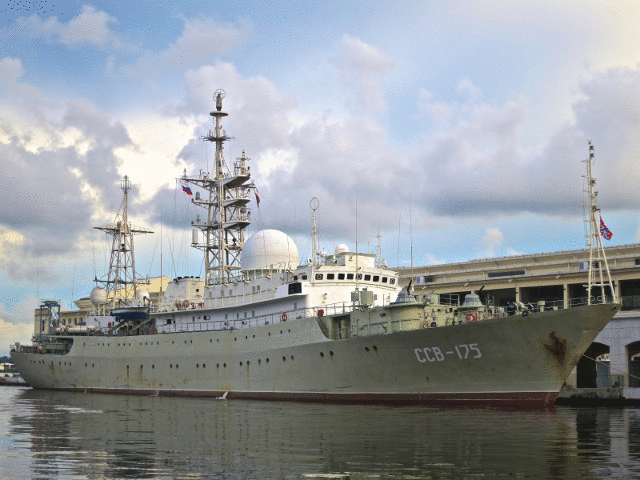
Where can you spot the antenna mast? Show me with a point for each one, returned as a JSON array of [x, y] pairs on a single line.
[[314, 204], [597, 257], [226, 206], [122, 267]]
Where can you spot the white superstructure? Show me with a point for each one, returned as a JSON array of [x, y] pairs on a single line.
[[260, 280]]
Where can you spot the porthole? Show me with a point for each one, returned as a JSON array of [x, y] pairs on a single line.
[[248, 362], [204, 366], [291, 357], [240, 363], [322, 354], [366, 348], [331, 353], [284, 359], [224, 365], [375, 349], [267, 360], [259, 361]]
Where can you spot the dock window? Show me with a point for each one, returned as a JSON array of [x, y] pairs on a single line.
[[367, 278], [376, 278], [330, 276], [349, 276], [384, 279], [341, 276]]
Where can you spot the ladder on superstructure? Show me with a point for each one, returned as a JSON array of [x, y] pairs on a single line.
[[227, 196], [599, 274], [121, 279]]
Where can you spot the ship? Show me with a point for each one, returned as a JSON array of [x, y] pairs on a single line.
[[335, 328]]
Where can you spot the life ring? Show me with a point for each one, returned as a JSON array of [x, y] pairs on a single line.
[[471, 317], [154, 330], [185, 304], [283, 317]]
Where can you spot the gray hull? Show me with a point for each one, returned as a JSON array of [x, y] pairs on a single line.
[[518, 360]]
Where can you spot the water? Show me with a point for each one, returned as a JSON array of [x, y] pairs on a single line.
[[56, 435]]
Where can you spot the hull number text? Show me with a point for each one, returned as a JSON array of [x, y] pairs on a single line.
[[435, 354]]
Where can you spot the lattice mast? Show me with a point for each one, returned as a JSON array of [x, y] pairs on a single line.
[[599, 274], [122, 279], [225, 201]]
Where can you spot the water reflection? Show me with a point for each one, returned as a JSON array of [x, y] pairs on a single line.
[[71, 435]]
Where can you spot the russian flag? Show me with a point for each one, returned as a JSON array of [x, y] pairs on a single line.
[[187, 190], [604, 231]]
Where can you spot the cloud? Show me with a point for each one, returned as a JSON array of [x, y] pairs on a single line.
[[16, 325], [492, 239], [360, 65], [90, 27], [59, 168], [11, 71], [202, 38]]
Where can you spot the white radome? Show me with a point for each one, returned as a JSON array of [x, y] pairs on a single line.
[[98, 296], [141, 295], [268, 249], [341, 248]]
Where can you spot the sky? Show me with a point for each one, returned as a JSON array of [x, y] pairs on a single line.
[[456, 130]]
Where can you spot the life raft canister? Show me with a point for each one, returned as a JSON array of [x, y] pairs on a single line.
[[471, 317]]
